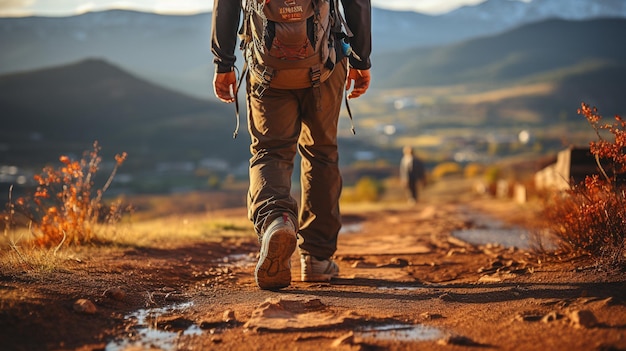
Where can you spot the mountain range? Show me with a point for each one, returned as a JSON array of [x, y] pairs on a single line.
[[581, 60], [515, 12], [141, 83], [523, 52], [63, 110], [174, 51], [60, 107]]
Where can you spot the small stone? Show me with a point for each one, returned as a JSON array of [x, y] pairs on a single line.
[[583, 319], [173, 323], [84, 306], [115, 293], [399, 262], [229, 316]]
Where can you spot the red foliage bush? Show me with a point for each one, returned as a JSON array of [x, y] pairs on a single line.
[[591, 217]]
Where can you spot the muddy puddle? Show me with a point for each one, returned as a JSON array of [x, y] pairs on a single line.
[[152, 327], [488, 230], [398, 332], [512, 237], [155, 328], [147, 333], [238, 260], [351, 228]]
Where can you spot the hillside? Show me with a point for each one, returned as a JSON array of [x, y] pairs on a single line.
[[173, 51], [63, 109], [533, 76], [527, 51], [572, 61]]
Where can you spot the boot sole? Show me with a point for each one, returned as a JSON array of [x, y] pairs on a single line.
[[273, 271]]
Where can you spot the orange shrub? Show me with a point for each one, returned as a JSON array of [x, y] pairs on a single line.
[[66, 207], [591, 217]]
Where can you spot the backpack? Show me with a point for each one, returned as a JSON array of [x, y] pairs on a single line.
[[291, 44]]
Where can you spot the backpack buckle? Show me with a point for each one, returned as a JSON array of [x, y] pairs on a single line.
[[316, 76], [267, 74], [260, 89]]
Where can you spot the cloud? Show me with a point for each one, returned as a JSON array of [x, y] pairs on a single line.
[[85, 7], [15, 4], [426, 6], [182, 6]]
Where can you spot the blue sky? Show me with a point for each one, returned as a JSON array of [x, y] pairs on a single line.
[[70, 7]]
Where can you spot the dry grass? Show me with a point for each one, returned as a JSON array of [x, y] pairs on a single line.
[[67, 214], [167, 231], [17, 252]]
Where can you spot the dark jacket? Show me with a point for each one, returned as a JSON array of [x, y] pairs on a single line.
[[226, 20]]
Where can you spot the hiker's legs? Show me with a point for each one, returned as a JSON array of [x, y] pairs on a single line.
[[274, 126], [320, 178]]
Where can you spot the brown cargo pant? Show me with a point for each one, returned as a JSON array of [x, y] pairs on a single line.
[[281, 122]]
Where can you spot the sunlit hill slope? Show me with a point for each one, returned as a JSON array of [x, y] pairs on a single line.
[[63, 109]]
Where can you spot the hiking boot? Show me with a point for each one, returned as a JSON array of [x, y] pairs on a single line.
[[273, 271], [314, 270]]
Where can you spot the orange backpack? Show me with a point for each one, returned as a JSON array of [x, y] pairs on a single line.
[[290, 44]]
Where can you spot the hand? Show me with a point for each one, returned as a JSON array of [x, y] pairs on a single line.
[[361, 79], [225, 86]]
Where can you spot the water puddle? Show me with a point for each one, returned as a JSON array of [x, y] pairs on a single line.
[[239, 260], [399, 332], [351, 228], [515, 237], [402, 288], [493, 231], [146, 332]]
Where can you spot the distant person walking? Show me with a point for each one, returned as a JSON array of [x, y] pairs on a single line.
[[301, 56], [412, 173]]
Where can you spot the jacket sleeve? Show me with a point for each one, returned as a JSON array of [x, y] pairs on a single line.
[[224, 26], [358, 14]]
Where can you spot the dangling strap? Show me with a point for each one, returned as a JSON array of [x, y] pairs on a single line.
[[245, 36], [345, 94], [350, 115], [236, 92]]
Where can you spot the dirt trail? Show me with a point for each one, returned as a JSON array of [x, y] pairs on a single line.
[[406, 283]]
